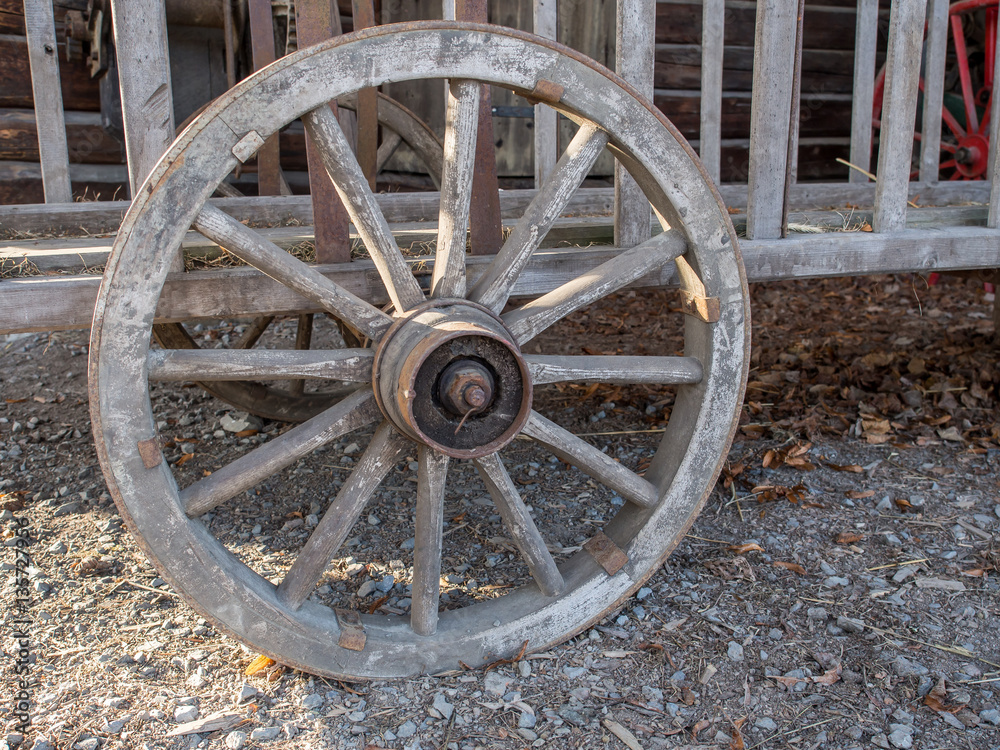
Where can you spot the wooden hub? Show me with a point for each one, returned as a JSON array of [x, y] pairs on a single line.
[[450, 375]]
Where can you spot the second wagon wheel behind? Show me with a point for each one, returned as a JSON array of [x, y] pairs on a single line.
[[292, 402], [449, 379]]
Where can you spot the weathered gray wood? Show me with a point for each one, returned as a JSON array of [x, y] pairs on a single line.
[[351, 184], [634, 55], [530, 319], [353, 365], [993, 218], [769, 121], [546, 134], [703, 419], [591, 461], [519, 525], [43, 57], [106, 216], [250, 247], [254, 331], [899, 112], [461, 125], [355, 411], [428, 524], [493, 288], [58, 303], [385, 449], [935, 58], [613, 369], [713, 29], [140, 28], [865, 39]]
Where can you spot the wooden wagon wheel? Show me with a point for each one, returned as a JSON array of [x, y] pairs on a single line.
[[447, 379], [292, 403]]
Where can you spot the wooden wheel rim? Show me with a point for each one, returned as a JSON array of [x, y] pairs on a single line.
[[703, 420]]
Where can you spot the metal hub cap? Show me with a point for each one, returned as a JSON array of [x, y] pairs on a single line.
[[450, 375]]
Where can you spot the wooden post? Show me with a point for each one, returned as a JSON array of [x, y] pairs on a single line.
[[43, 57], [713, 32], [935, 53], [485, 225], [865, 39], [899, 114], [317, 21], [262, 48], [140, 28], [634, 44], [364, 17], [774, 53], [546, 118], [993, 217]]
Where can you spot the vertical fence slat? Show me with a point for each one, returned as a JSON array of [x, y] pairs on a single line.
[[140, 28], [634, 62], [262, 53], [713, 30], [899, 113], [774, 52], [546, 118], [993, 217], [792, 164], [865, 40], [43, 57], [936, 50]]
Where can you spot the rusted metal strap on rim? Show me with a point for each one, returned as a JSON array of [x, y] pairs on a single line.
[[315, 23], [352, 630], [609, 555], [150, 453], [485, 224], [706, 309]]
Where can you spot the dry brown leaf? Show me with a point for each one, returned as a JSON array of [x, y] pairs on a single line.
[[851, 468], [937, 699], [259, 665], [736, 743], [184, 459], [701, 726], [742, 549], [622, 733], [246, 433], [849, 537], [794, 567], [975, 572], [829, 677], [859, 494]]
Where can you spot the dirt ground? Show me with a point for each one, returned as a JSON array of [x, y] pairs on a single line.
[[840, 589]]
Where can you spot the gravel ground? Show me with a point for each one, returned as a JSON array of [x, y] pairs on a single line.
[[838, 591]]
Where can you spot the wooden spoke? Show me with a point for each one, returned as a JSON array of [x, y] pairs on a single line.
[[431, 476], [461, 124], [264, 255], [520, 525], [591, 461], [390, 142], [254, 331], [303, 338], [379, 458], [493, 288], [614, 369], [351, 413], [351, 184], [351, 365], [528, 321]]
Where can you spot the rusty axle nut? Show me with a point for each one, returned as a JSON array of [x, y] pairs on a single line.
[[466, 385]]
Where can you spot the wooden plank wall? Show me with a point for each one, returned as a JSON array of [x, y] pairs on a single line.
[[586, 25]]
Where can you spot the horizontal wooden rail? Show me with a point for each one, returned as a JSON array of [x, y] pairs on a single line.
[[102, 217], [53, 303]]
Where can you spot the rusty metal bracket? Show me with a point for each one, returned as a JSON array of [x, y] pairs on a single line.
[[545, 92], [149, 450], [352, 630], [609, 555], [706, 309]]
